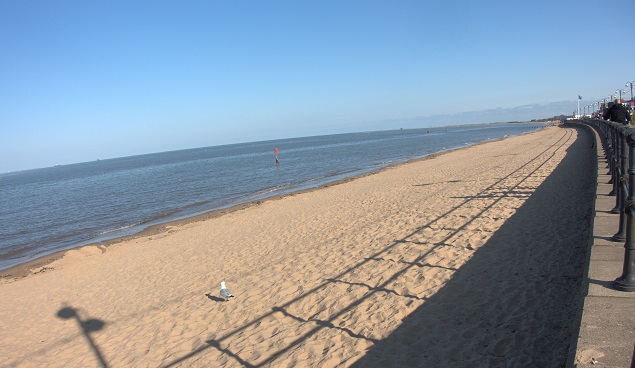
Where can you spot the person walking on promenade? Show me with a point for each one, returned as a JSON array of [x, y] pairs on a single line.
[[617, 113]]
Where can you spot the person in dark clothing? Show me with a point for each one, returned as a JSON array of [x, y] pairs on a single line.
[[617, 113]]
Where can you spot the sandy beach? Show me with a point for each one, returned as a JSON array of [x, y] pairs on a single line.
[[472, 258]]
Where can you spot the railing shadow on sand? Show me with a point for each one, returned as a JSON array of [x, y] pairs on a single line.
[[455, 336], [619, 146]]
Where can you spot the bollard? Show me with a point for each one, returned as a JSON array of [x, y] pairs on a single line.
[[626, 282], [611, 158], [616, 167], [622, 180]]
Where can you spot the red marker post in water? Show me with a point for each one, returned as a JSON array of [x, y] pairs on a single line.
[[275, 150]]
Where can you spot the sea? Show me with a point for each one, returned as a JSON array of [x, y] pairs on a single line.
[[43, 211]]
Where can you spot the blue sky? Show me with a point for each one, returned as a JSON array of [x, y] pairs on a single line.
[[82, 80]]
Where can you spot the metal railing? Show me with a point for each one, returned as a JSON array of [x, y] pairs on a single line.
[[619, 144]]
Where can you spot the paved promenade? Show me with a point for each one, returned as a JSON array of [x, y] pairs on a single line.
[[607, 330]]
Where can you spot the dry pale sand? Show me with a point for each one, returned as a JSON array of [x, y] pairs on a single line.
[[472, 258]]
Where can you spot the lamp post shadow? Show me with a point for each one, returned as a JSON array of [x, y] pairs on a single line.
[[86, 326]]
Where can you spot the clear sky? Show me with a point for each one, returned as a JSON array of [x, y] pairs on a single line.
[[84, 80]]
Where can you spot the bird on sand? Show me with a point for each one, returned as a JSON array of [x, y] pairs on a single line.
[[224, 293]]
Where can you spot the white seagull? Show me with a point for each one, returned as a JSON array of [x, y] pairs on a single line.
[[224, 293]]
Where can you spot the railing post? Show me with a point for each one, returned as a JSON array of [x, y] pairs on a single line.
[[611, 158], [622, 165], [626, 282], [616, 166]]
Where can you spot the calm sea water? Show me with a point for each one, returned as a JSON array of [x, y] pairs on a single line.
[[46, 210]]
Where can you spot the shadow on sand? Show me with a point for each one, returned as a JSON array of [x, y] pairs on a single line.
[[504, 311], [87, 327], [516, 302]]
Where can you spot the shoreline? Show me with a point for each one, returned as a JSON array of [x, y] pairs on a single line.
[[40, 263], [475, 257]]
